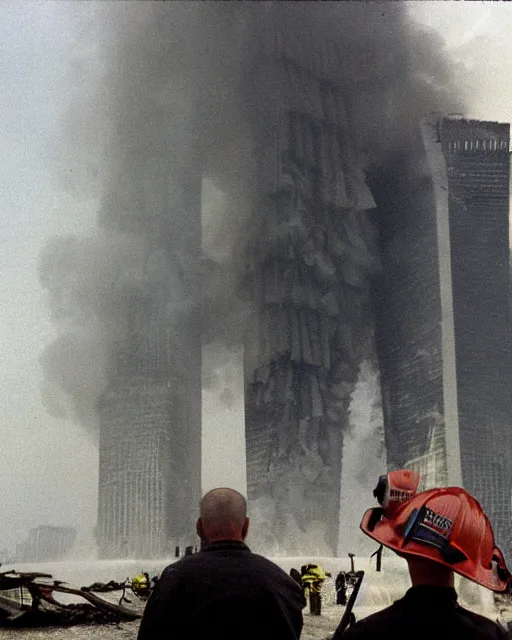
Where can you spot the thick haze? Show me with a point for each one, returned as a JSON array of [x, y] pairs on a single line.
[[60, 135]]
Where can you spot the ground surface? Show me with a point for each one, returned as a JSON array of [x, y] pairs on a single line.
[[315, 628], [378, 591]]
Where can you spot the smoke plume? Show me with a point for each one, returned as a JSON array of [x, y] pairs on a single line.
[[160, 99]]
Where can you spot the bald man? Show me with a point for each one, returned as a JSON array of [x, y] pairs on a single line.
[[225, 591]]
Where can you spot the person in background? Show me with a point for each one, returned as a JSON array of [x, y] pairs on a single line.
[[223, 591], [312, 578], [341, 588], [438, 532], [140, 585]]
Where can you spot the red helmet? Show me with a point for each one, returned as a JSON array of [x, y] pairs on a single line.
[[447, 526]]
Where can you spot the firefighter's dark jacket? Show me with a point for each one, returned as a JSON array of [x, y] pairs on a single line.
[[225, 591], [425, 612]]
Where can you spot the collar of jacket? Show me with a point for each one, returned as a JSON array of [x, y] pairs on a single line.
[[424, 594], [226, 545]]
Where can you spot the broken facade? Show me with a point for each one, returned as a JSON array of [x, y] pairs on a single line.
[[310, 269]]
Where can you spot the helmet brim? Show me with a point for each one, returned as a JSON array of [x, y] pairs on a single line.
[[383, 533]]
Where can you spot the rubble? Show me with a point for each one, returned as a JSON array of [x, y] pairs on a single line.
[[41, 609]]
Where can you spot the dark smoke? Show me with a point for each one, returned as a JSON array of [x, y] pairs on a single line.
[[162, 95]]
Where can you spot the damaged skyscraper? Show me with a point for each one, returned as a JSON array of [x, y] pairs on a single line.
[[311, 269], [309, 262], [150, 422]]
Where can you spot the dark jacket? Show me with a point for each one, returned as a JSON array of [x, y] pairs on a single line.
[[224, 592], [425, 612]]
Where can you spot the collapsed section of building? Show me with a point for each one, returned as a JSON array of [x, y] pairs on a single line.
[[310, 267]]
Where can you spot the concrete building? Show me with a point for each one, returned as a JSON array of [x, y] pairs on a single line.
[[46, 544], [443, 312]]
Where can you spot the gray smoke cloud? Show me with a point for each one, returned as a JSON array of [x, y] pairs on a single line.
[[86, 280], [160, 96]]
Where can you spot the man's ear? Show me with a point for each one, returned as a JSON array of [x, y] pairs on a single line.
[[199, 528], [245, 528]]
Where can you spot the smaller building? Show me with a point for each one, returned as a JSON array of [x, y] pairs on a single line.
[[46, 544]]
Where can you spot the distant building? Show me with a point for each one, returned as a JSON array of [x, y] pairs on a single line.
[[443, 312], [46, 544], [478, 168]]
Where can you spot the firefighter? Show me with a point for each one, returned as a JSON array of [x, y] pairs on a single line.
[[438, 532], [140, 585], [313, 577]]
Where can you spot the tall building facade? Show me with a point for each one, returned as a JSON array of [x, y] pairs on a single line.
[[443, 312], [150, 430], [150, 413], [478, 170], [137, 470]]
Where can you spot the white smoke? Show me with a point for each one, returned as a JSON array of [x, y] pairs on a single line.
[[364, 459]]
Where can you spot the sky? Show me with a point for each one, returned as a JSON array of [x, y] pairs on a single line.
[[48, 466]]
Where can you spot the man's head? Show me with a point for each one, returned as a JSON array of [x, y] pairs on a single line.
[[223, 516], [425, 571]]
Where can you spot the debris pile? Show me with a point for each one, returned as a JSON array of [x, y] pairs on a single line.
[[27, 600]]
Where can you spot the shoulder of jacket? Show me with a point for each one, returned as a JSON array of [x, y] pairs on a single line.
[[177, 566], [273, 568], [256, 557], [374, 622], [359, 631], [483, 622]]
